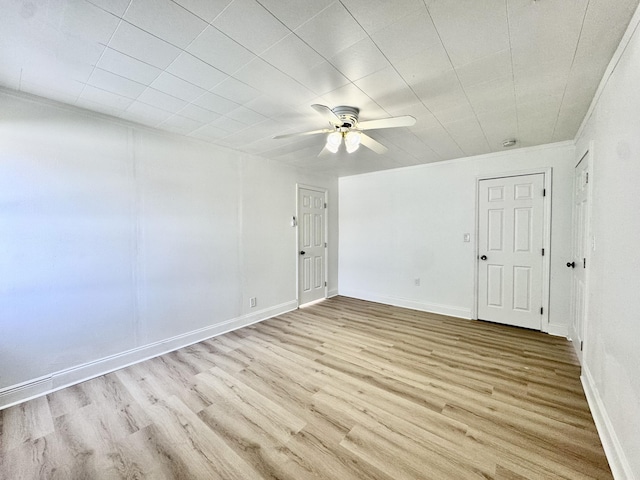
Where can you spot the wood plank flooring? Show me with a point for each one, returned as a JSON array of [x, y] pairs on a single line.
[[344, 390]]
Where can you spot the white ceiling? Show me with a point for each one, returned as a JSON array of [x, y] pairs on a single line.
[[236, 72]]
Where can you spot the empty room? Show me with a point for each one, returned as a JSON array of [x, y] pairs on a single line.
[[247, 239]]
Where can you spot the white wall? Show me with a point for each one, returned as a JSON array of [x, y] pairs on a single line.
[[409, 223], [118, 242], [611, 356]]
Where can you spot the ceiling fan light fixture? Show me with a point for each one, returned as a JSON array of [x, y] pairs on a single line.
[[352, 141], [352, 148], [334, 139], [344, 124]]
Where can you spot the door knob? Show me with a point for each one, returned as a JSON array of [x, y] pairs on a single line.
[[302, 252], [571, 264], [483, 257]]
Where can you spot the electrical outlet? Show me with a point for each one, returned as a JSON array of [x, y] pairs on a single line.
[[416, 282], [252, 302]]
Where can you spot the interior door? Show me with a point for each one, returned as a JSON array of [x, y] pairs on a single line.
[[578, 262], [311, 245], [510, 242]]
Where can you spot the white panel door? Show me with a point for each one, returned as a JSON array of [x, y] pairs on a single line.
[[510, 241], [578, 262], [311, 245]]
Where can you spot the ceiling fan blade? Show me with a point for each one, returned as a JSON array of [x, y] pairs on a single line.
[[301, 134], [328, 114], [372, 144], [391, 122]]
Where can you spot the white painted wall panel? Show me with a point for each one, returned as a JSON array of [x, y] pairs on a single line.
[[189, 236], [113, 237], [611, 356], [66, 244], [399, 225]]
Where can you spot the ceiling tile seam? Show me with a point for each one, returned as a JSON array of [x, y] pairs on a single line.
[[289, 76], [297, 36], [105, 46], [406, 83], [513, 75], [198, 16], [311, 47], [108, 91], [390, 140], [573, 61], [266, 10], [172, 62], [385, 57], [164, 70], [394, 68], [96, 67], [210, 24], [455, 71], [276, 68], [261, 56], [179, 116], [182, 50], [157, 89], [459, 82], [228, 74], [130, 56], [148, 87], [320, 54], [133, 100], [303, 23]]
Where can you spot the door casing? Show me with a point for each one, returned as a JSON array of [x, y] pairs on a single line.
[[546, 238]]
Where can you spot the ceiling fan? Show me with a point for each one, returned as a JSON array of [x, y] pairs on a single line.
[[344, 125]]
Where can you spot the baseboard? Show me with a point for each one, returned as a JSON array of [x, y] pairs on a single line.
[[22, 392], [620, 467], [25, 391], [558, 330], [411, 304], [332, 293]]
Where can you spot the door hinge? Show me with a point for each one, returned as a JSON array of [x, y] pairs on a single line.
[[325, 205], [544, 192], [587, 178], [584, 263], [543, 252], [325, 284], [581, 344], [541, 311], [325, 244]]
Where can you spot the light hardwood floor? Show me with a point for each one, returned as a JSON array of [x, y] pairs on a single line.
[[342, 390]]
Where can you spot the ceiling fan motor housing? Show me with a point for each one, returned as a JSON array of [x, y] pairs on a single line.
[[348, 115]]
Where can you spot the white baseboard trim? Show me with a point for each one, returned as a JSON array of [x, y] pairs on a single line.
[[620, 467], [558, 330], [332, 293], [22, 392], [412, 304], [25, 391]]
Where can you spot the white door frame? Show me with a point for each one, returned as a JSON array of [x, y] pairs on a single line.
[[325, 191], [546, 238], [588, 156]]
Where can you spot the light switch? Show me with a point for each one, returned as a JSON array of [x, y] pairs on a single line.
[[467, 237]]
